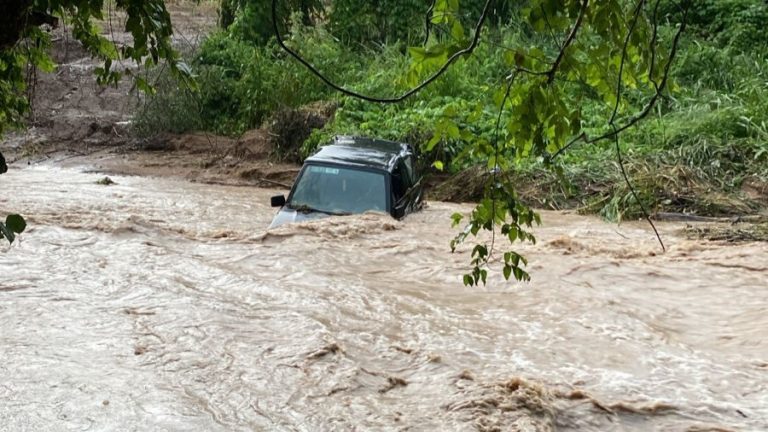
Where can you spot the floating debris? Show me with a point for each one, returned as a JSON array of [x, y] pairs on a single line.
[[106, 181]]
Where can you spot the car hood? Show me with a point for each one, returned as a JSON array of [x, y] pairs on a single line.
[[286, 215]]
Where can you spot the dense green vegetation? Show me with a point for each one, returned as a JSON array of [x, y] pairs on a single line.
[[691, 154]]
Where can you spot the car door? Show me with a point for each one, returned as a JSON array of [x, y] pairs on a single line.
[[414, 193], [406, 188]]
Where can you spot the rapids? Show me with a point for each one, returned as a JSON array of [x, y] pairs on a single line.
[[159, 304]]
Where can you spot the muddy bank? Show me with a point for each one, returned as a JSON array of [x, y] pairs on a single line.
[[69, 111], [543, 189], [200, 157], [75, 122]]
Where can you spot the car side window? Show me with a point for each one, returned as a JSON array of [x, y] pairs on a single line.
[[401, 180], [409, 168]]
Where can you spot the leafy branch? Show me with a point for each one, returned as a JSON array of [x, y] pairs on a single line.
[[14, 224], [540, 120]]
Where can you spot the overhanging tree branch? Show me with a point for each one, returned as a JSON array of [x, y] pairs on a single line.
[[468, 50], [584, 137]]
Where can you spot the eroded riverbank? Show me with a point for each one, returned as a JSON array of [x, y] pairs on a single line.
[[161, 304]]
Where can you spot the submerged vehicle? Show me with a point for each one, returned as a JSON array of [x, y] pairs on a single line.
[[353, 175]]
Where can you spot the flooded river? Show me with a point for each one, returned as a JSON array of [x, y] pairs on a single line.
[[157, 304]]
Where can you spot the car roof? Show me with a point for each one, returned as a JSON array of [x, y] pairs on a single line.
[[360, 151]]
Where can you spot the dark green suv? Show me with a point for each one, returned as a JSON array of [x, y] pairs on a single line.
[[353, 175]]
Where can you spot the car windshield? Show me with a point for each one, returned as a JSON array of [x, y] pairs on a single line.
[[339, 190]]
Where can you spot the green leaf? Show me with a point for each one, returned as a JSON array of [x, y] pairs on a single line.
[[456, 218], [45, 64], [6, 233], [144, 86], [513, 234], [457, 31], [15, 223], [438, 165], [452, 130], [519, 273], [433, 141]]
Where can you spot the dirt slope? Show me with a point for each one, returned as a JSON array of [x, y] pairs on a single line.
[[74, 121]]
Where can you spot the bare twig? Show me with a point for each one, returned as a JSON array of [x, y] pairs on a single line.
[[620, 79], [571, 37], [510, 82], [428, 21], [612, 121]]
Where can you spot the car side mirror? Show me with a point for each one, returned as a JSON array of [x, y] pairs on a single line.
[[278, 200]]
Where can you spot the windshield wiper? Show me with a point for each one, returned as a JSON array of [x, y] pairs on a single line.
[[304, 208]]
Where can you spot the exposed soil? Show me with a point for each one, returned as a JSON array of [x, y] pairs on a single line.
[[74, 121], [201, 157]]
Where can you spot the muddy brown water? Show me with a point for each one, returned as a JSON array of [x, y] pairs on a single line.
[[156, 304]]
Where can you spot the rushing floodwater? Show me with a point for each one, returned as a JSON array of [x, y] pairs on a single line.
[[163, 305]]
